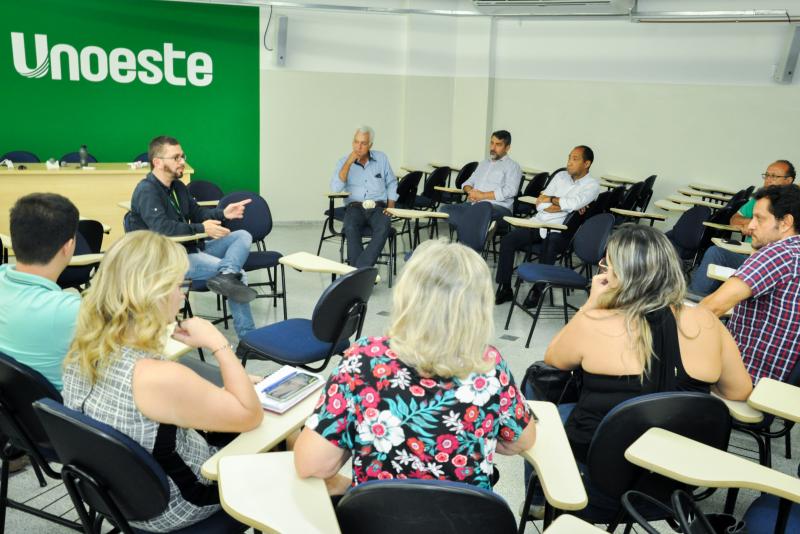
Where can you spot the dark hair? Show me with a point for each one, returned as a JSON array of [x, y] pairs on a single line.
[[503, 135], [156, 144], [783, 200], [790, 172], [40, 225], [588, 153]]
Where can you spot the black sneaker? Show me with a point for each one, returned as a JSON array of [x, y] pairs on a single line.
[[504, 294], [228, 285]]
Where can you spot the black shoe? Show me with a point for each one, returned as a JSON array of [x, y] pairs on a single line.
[[228, 285], [504, 294], [532, 300]]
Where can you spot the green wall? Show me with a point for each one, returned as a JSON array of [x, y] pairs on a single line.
[[217, 125]]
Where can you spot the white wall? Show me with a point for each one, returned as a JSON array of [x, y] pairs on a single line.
[[684, 101]]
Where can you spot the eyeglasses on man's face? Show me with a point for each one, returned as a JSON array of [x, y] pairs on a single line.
[[176, 158], [768, 176]]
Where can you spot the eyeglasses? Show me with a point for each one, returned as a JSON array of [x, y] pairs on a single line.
[[603, 266], [176, 158], [773, 176]]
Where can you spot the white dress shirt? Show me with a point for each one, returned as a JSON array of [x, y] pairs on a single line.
[[500, 176], [572, 195]]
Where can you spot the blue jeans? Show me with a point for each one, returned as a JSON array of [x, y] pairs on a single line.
[[226, 255], [702, 284], [356, 218], [457, 211]]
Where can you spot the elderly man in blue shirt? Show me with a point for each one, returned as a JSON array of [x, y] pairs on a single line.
[[367, 175], [496, 180]]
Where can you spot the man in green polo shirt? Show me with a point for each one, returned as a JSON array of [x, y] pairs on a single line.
[[37, 318], [780, 172]]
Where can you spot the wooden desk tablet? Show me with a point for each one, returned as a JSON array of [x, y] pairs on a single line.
[[667, 205], [264, 491], [552, 459], [652, 217], [89, 189], [415, 215], [454, 190], [82, 260], [704, 194], [569, 524], [530, 171], [532, 223], [208, 203], [741, 411], [713, 188], [777, 398], [695, 463], [718, 272], [744, 248], [273, 429], [527, 199], [609, 185], [189, 237], [679, 199], [618, 179], [723, 227], [305, 261]]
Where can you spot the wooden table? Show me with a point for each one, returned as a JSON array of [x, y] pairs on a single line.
[[415, 215], [82, 260], [569, 524], [90, 190], [630, 214], [274, 428], [713, 188], [609, 185], [188, 237], [704, 194], [667, 205], [719, 273], [530, 171], [454, 190], [744, 248], [723, 227], [741, 411], [264, 491], [619, 179], [678, 199], [777, 398], [305, 261], [532, 223], [691, 462]]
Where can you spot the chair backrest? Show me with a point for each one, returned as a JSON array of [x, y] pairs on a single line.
[[20, 386], [646, 193], [437, 178], [632, 196], [204, 190], [78, 275], [127, 222], [108, 469], [473, 226], [92, 232], [616, 197], [257, 217], [739, 199], [75, 157], [721, 216], [142, 158], [592, 236], [698, 416], [532, 189], [465, 172], [407, 189], [341, 308], [423, 507], [688, 230], [21, 156], [600, 204]]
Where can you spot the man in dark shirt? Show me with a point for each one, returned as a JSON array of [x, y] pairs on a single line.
[[162, 203]]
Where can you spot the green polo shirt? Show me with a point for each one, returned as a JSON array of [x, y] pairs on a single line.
[[746, 211], [37, 321]]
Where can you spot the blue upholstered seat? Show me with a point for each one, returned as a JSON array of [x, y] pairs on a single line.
[[554, 274], [291, 341]]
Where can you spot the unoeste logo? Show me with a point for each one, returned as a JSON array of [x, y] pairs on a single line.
[[122, 64]]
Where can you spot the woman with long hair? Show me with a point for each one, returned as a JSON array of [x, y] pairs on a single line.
[[432, 398], [115, 372]]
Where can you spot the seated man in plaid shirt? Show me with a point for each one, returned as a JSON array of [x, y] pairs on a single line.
[[765, 291]]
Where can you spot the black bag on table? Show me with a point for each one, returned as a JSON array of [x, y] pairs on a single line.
[[552, 384]]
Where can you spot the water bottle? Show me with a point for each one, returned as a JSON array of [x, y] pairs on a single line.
[[83, 154]]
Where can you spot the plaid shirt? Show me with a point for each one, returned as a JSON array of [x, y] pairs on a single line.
[[766, 325]]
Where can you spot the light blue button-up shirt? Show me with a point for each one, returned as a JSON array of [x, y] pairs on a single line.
[[501, 177], [37, 321], [373, 181]]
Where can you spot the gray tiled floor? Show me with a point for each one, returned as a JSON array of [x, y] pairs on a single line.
[[303, 291]]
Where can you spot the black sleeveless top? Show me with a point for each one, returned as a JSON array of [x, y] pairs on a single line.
[[601, 393]]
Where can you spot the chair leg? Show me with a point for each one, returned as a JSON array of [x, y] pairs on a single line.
[[730, 500], [536, 318], [564, 296], [321, 237], [4, 492], [788, 440], [513, 303], [523, 520], [283, 290], [225, 312], [38, 471]]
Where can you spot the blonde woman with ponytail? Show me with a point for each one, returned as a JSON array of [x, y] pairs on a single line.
[[634, 335], [115, 372]]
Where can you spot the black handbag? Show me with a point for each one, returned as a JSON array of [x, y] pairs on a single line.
[[552, 384]]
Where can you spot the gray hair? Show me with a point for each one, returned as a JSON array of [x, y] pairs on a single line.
[[443, 311], [650, 278], [367, 130]]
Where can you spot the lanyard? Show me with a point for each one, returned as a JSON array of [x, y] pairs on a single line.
[[173, 199]]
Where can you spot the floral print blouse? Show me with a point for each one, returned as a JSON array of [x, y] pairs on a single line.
[[398, 424]]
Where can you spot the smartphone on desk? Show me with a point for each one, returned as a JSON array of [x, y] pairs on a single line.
[[289, 386], [734, 242]]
